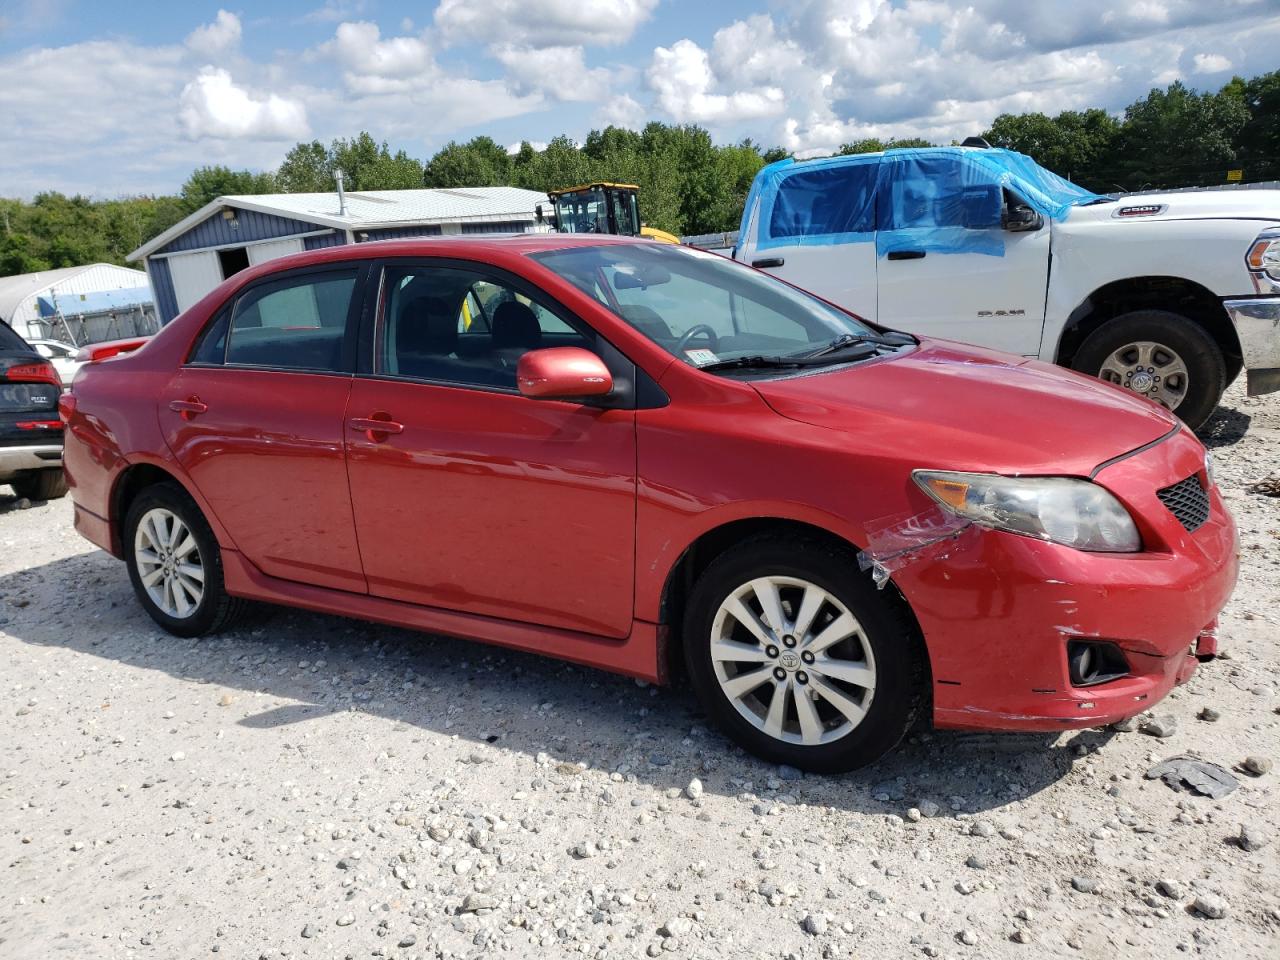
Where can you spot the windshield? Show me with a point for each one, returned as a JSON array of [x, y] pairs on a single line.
[[582, 212], [700, 307]]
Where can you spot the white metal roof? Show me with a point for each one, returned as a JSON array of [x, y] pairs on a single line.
[[371, 209], [17, 291]]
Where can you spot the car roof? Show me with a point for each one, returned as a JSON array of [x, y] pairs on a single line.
[[461, 247]]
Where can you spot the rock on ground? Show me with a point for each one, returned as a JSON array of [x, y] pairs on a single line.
[[162, 797]]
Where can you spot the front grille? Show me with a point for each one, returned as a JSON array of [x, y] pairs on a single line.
[[1188, 501]]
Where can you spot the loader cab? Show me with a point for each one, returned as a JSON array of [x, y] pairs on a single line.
[[597, 208]]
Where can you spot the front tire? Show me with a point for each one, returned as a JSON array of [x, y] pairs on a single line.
[[40, 485], [175, 564], [799, 659], [1160, 355]]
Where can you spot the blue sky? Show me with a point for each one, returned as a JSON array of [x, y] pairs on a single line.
[[119, 98]]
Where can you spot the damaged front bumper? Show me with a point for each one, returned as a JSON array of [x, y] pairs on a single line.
[[999, 611], [1257, 323]]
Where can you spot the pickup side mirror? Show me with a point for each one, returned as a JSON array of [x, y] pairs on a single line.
[[1020, 218], [562, 373]]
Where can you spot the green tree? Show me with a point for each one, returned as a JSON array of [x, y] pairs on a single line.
[[369, 165], [307, 168], [1176, 137], [209, 183], [478, 163], [1259, 138]]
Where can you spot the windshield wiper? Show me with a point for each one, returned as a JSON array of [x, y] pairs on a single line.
[[756, 361], [848, 341]]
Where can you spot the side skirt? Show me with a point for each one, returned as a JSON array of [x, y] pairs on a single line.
[[636, 656]]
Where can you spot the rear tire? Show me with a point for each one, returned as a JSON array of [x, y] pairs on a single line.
[[40, 485], [1111, 353], [177, 580], [844, 704]]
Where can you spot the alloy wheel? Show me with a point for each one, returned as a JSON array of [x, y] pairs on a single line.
[[1151, 369], [793, 660], [169, 563]]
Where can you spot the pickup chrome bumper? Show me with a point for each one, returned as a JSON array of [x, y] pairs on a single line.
[[1257, 323], [36, 457]]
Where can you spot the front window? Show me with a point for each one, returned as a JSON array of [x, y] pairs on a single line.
[[703, 308], [583, 211]]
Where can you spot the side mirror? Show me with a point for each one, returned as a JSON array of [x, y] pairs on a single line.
[[562, 373], [1020, 218]]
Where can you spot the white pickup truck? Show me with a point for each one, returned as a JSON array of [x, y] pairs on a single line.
[[1170, 294]]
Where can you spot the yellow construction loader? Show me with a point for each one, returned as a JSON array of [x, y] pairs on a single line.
[[600, 208]]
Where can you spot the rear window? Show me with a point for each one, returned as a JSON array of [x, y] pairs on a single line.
[[295, 323], [10, 341]]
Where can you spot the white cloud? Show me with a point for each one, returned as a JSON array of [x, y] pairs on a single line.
[[560, 72], [622, 110], [333, 11], [542, 23], [514, 148], [373, 65], [212, 105], [214, 40], [683, 80], [1211, 63]]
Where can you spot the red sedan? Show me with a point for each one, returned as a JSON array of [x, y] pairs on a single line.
[[629, 454]]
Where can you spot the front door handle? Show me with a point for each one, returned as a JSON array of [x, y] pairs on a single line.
[[906, 254], [189, 408], [377, 426], [768, 262]]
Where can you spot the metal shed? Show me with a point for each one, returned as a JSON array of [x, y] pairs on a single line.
[[232, 233], [97, 301]]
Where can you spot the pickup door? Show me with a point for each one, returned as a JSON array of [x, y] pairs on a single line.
[[946, 268], [818, 231]]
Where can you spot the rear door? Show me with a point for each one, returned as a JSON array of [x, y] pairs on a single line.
[[816, 229], [256, 419], [946, 267]]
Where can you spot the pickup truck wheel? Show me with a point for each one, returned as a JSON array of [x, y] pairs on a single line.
[[40, 485], [1162, 356], [797, 657]]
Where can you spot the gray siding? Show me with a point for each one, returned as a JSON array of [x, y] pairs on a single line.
[[216, 231], [496, 226], [334, 239], [403, 233], [162, 288]]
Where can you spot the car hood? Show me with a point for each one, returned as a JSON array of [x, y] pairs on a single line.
[[1189, 205], [957, 407]]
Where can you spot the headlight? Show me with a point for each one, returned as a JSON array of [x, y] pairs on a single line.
[[1208, 468], [1263, 261], [1076, 513]]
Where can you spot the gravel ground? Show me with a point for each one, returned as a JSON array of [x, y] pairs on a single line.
[[309, 786]]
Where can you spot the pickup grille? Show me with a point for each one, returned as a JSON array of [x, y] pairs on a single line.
[[1187, 501]]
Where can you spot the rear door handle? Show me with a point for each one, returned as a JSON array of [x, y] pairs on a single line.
[[768, 262], [906, 254], [376, 427], [190, 408]]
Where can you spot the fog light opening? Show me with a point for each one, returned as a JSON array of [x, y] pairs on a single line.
[[1091, 662]]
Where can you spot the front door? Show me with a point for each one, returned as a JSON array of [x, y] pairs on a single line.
[[945, 266], [817, 230], [475, 498], [256, 421]]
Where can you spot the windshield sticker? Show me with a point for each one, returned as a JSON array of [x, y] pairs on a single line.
[[701, 357]]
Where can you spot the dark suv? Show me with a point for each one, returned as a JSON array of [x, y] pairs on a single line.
[[30, 431]]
